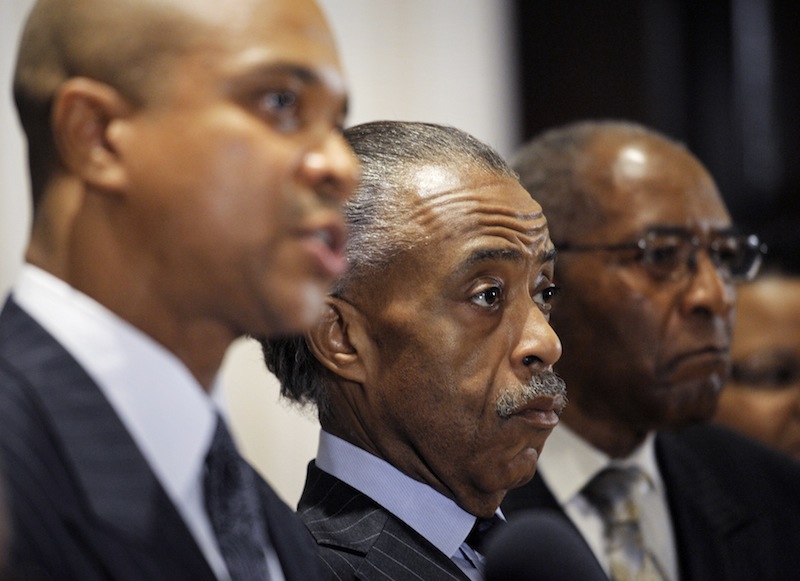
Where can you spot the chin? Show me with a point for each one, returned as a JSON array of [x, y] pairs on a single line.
[[694, 403], [304, 310], [523, 469]]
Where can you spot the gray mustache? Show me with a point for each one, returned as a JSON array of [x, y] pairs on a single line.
[[542, 383]]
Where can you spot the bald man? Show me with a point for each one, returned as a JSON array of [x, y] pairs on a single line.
[[649, 261], [187, 170]]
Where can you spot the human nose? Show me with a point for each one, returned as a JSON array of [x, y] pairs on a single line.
[[538, 347], [332, 168], [709, 289]]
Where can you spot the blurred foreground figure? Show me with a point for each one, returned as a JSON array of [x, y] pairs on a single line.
[[648, 261], [432, 367], [187, 169], [762, 397], [5, 532]]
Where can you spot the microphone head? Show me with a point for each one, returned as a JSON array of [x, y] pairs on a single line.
[[540, 545]]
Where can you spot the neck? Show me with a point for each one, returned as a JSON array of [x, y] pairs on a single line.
[[88, 254], [614, 438], [343, 421]]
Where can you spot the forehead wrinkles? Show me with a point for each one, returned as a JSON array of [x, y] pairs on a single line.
[[456, 212]]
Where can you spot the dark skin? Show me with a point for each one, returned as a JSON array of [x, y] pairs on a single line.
[[641, 354], [763, 399], [209, 207], [421, 357]]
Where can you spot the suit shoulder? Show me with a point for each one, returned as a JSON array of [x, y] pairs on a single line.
[[743, 466], [339, 516]]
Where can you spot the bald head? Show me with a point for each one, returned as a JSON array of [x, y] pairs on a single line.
[[128, 45], [572, 170], [122, 43]]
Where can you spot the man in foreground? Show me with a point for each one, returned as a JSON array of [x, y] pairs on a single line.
[[187, 169], [432, 366], [648, 262]]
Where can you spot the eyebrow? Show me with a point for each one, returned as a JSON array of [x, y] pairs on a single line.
[[511, 255], [548, 255], [680, 230], [304, 74]]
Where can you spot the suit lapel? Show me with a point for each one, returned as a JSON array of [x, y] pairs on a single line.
[[714, 533], [342, 518], [400, 553], [114, 479]]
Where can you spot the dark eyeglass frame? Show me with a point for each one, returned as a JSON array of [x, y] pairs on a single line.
[[744, 268]]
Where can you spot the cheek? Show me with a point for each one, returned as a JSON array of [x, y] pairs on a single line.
[[222, 159], [759, 414], [774, 410], [433, 393]]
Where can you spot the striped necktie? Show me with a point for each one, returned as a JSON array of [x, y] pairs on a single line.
[[611, 491]]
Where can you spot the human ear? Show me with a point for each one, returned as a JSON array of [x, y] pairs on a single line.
[[335, 339], [83, 112]]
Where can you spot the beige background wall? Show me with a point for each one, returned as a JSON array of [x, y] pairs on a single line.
[[447, 61]]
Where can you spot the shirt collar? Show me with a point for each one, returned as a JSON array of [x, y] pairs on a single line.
[[569, 462], [173, 425], [431, 514]]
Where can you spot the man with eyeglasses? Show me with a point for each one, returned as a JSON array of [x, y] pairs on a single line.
[[648, 263]]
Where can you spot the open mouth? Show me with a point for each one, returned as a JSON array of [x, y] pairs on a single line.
[[326, 245]]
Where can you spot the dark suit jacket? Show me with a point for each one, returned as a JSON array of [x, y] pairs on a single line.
[[735, 505], [85, 504], [359, 539]]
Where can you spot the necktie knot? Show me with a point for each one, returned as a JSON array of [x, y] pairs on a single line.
[[483, 529], [613, 493]]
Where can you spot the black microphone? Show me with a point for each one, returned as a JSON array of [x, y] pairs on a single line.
[[540, 545]]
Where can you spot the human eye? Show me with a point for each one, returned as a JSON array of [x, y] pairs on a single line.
[[664, 255], [281, 106], [729, 253], [488, 297], [545, 297], [770, 374]]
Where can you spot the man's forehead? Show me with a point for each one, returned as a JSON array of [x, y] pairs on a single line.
[[430, 181], [442, 184], [469, 201]]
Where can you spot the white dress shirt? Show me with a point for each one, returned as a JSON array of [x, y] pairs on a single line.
[[568, 463], [166, 411]]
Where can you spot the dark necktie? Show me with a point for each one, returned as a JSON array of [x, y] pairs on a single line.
[[483, 529], [233, 507], [611, 492]]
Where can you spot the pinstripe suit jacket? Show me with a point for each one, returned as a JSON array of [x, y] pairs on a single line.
[[735, 505], [358, 539], [85, 504]]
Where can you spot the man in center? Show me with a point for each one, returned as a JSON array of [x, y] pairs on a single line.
[[432, 367]]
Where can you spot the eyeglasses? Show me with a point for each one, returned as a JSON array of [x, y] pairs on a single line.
[[672, 254]]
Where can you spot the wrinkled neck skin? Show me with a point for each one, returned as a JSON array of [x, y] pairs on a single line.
[[344, 422], [73, 240]]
